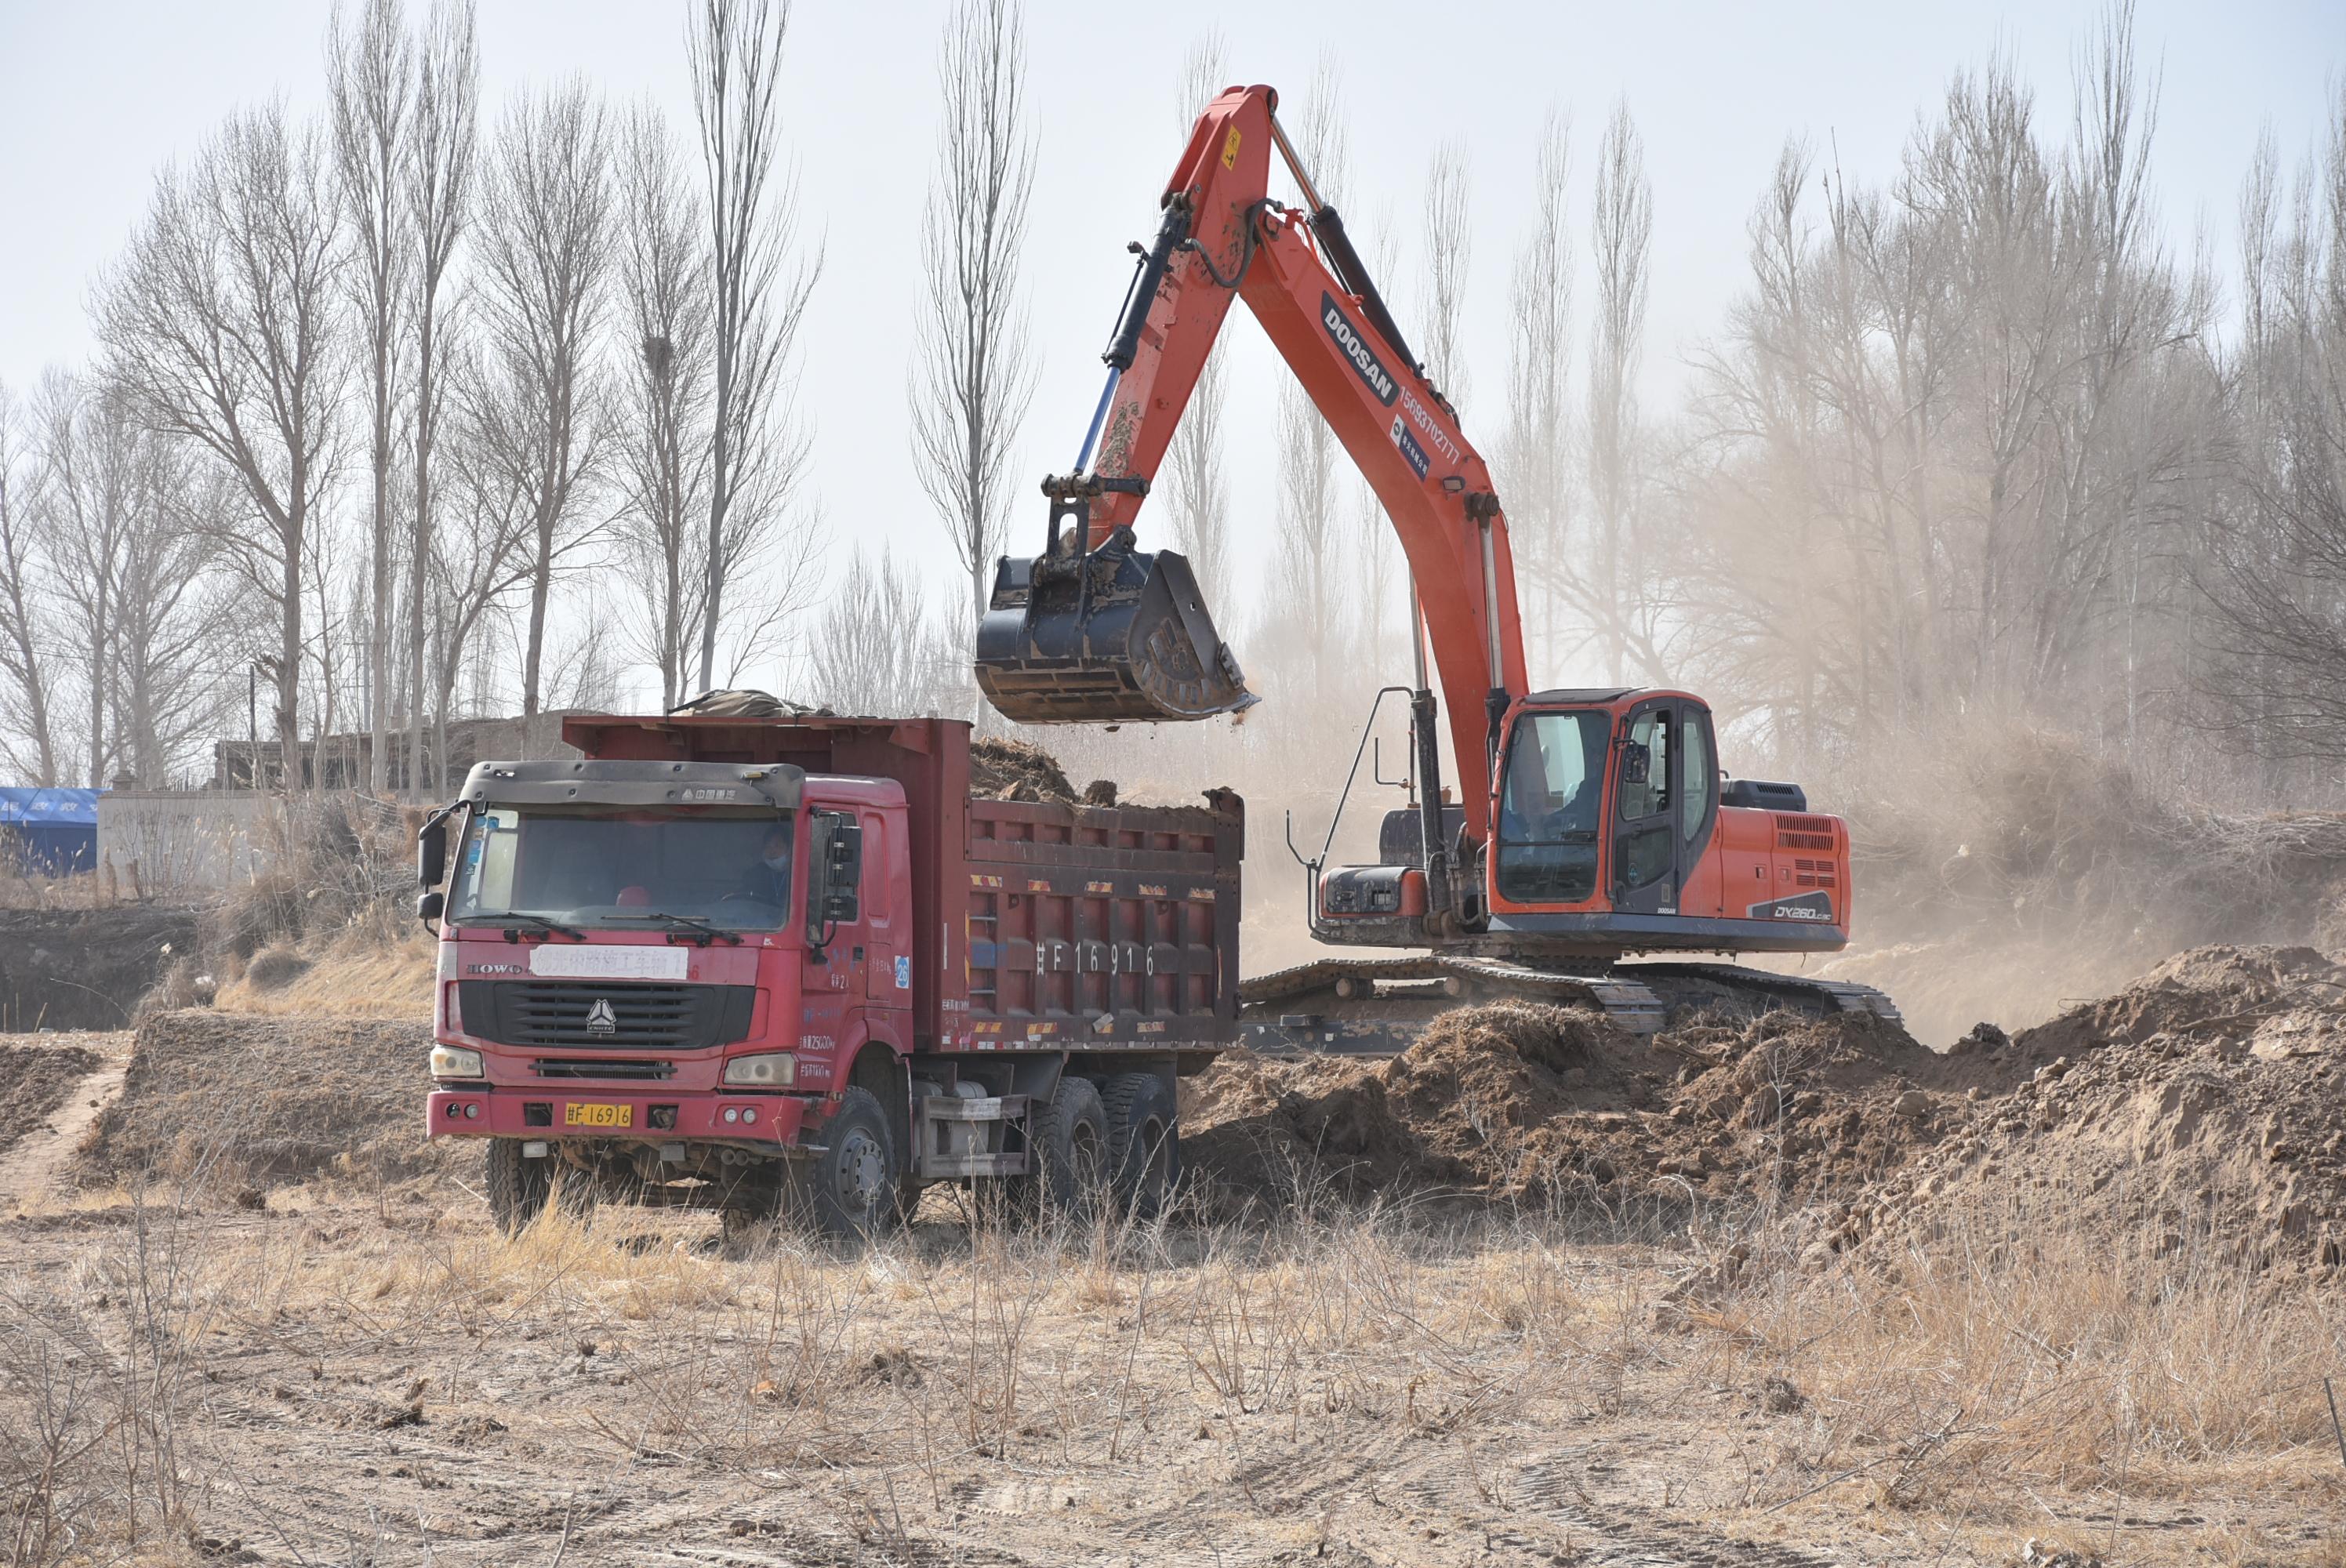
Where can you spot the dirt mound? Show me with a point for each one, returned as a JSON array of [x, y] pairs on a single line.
[[1007, 769], [235, 1100], [2204, 1105], [1521, 1102], [33, 1081]]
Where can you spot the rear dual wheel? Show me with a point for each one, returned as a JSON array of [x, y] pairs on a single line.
[[1144, 1143]]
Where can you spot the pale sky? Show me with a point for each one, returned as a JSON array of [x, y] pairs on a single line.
[[93, 97]]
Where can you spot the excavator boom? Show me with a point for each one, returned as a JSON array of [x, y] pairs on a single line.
[[1093, 630]]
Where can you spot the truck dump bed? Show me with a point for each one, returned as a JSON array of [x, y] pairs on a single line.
[[1041, 926]]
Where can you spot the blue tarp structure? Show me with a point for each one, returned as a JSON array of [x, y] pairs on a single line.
[[48, 832]]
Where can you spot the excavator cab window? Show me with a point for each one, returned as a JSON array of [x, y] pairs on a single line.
[[1550, 807]]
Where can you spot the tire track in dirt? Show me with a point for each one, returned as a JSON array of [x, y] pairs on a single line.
[[35, 1163]]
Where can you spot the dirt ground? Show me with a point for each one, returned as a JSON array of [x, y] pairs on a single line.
[[1537, 1292]]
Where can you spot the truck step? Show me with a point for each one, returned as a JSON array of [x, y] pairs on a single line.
[[934, 1166], [996, 1109]]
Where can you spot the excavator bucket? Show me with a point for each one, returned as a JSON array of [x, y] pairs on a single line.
[[1109, 637]]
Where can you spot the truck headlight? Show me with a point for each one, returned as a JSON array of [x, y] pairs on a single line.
[[455, 1062], [772, 1070]]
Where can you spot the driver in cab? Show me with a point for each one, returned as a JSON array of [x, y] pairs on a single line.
[[769, 879]]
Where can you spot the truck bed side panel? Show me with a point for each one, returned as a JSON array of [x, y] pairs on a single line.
[[1103, 927]]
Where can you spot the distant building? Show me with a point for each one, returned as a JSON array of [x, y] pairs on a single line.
[[341, 761]]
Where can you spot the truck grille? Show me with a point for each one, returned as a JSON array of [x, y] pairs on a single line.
[[621, 1016], [602, 1067]]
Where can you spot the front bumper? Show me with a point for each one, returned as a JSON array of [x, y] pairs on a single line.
[[657, 1116]]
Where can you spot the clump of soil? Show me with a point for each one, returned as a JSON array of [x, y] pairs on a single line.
[[1005, 769], [275, 968], [2204, 1105], [33, 1083], [236, 1100], [1522, 1102]]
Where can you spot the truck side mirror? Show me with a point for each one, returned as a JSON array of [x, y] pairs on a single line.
[[1637, 762], [432, 852], [428, 906], [833, 891], [842, 873]]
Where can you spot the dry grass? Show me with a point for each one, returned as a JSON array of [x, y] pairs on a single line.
[[361, 972], [1950, 1406]]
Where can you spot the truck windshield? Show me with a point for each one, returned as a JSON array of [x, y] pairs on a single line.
[[623, 866], [1549, 808]]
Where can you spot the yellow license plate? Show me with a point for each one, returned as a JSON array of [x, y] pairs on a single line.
[[598, 1116]]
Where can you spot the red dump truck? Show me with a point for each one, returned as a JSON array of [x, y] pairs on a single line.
[[735, 962]]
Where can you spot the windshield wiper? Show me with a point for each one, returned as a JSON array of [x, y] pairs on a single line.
[[707, 933], [513, 920]]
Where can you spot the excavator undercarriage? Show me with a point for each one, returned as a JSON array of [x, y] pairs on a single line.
[[1379, 1006]]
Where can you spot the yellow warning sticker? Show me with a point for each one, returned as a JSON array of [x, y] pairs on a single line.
[[1230, 149]]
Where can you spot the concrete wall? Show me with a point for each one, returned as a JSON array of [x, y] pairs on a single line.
[[159, 844]]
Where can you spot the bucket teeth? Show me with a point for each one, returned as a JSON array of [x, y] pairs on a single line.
[[1113, 636]]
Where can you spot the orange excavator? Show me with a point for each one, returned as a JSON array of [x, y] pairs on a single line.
[[1594, 826]]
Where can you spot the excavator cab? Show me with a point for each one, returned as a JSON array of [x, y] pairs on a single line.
[[1105, 635]]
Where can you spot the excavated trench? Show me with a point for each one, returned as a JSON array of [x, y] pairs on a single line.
[[85, 968]]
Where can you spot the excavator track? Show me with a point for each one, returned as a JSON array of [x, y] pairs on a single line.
[[1379, 1006]]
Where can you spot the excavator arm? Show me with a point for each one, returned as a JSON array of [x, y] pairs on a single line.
[[1094, 631]]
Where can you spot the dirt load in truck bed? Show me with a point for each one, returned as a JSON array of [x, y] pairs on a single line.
[[234, 1101]]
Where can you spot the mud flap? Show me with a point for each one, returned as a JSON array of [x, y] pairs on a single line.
[[1108, 637]]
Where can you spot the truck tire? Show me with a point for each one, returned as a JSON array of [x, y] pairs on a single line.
[[1067, 1149], [1144, 1143], [851, 1186], [517, 1188]]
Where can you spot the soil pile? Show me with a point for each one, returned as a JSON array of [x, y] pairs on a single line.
[[2203, 1107], [1521, 1102], [236, 1100], [33, 1081]]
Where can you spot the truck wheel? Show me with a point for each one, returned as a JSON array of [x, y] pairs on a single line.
[[852, 1185], [1067, 1148], [518, 1189], [1144, 1143]]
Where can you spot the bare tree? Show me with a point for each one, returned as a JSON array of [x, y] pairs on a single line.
[[1310, 509], [1197, 489], [438, 185], [218, 326], [1621, 236], [665, 434], [736, 54], [974, 371], [23, 659], [879, 650], [1535, 459], [371, 77], [100, 473], [546, 241], [1449, 250], [174, 613]]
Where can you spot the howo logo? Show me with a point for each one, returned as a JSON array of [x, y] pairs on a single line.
[[1365, 362], [602, 1018]]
